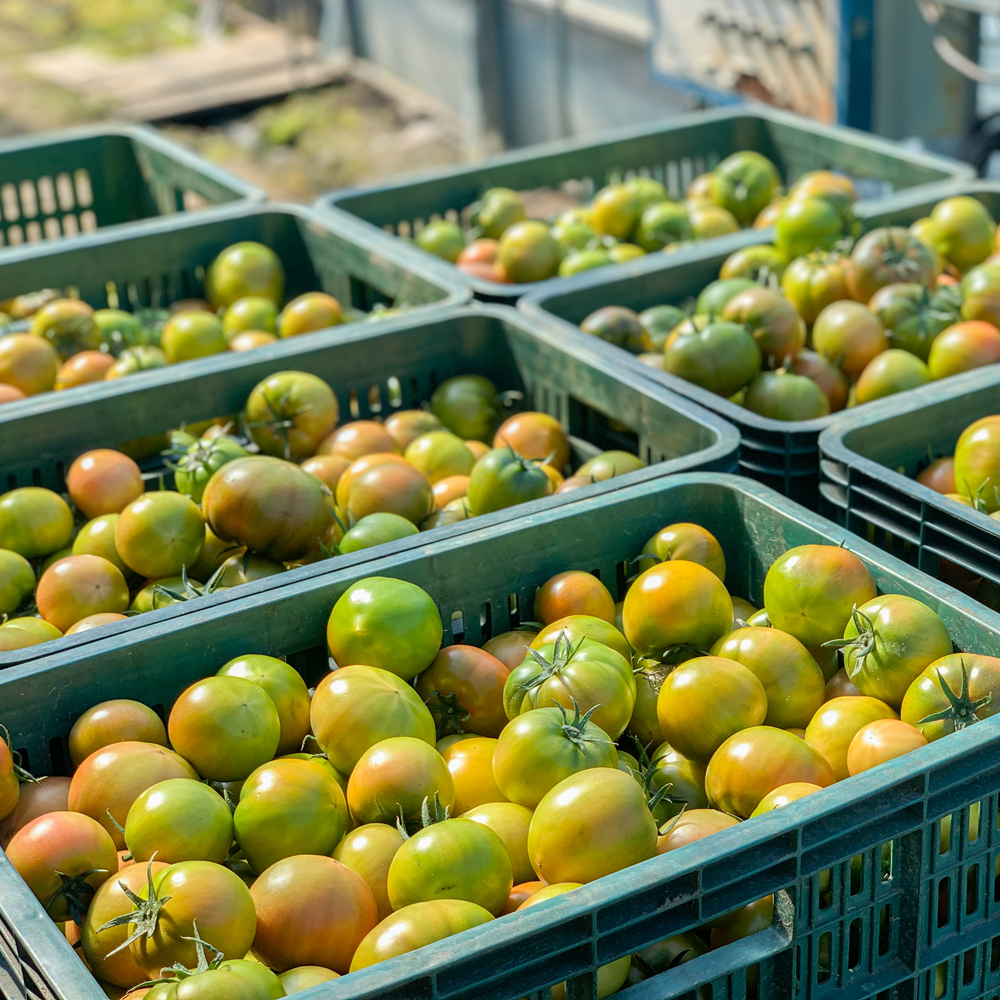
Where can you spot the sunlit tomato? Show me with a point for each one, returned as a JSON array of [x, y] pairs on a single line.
[[891, 372], [360, 466], [706, 700], [939, 475], [368, 851], [810, 590], [709, 221], [882, 740], [289, 413], [463, 688], [541, 747], [199, 892], [609, 464], [36, 798], [535, 435], [913, 316], [9, 784], [394, 777], [68, 325], [747, 920], [289, 807], [783, 794], [10, 393], [309, 312], [805, 224], [63, 857], [417, 925], [573, 593], [753, 262], [439, 454], [34, 521], [756, 761], [684, 779], [243, 269], [510, 822], [973, 693], [771, 319], [471, 765], [963, 231], [840, 685], [484, 250], [520, 893], [676, 603], [502, 479], [782, 395], [28, 363], [192, 334], [617, 325], [510, 648], [305, 977], [179, 820], [815, 281], [326, 468], [112, 778], [886, 256], [792, 680], [454, 859], [392, 489], [962, 347], [97, 538], [160, 533], [248, 340], [690, 542], [357, 706], [109, 902], [583, 675], [82, 369], [405, 426], [722, 357], [79, 586], [387, 623], [837, 723], [357, 438], [136, 359], [577, 627], [892, 638], [981, 293], [114, 722], [600, 811], [644, 725], [849, 336], [253, 313], [827, 376], [977, 462], [17, 580], [448, 489]]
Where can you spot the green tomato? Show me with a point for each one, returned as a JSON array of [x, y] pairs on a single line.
[[119, 329], [502, 479], [758, 262], [244, 269], [528, 252], [659, 322], [374, 529], [891, 372], [662, 224], [573, 234], [201, 460], [609, 464], [251, 313], [34, 522], [964, 231], [723, 357], [97, 538], [498, 210], [807, 224], [443, 239], [783, 396], [467, 406], [977, 462], [744, 184], [714, 297], [193, 334], [17, 580], [578, 261]]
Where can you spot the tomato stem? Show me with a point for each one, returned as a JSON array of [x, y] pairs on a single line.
[[962, 710]]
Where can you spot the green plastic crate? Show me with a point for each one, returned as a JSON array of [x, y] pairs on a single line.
[[374, 369], [783, 454], [877, 931], [674, 151], [62, 184], [868, 461]]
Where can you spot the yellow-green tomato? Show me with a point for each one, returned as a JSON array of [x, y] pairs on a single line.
[[194, 334], [510, 822], [305, 977], [439, 454], [244, 269], [368, 851], [964, 231], [97, 538], [34, 522], [251, 313], [17, 580]]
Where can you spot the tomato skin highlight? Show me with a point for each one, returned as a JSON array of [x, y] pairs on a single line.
[[882, 740], [692, 825], [972, 674], [368, 851], [475, 679], [837, 723]]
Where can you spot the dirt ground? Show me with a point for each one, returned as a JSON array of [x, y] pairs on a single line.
[[295, 148]]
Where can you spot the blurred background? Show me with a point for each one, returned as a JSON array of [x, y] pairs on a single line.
[[302, 96]]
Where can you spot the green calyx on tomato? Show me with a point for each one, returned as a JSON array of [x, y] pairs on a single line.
[[962, 710], [201, 460]]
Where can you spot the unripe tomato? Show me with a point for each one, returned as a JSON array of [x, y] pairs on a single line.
[[28, 363], [503, 479], [103, 482], [356, 707], [358, 438], [520, 893], [244, 269], [963, 231], [771, 319], [573, 593], [815, 281], [756, 761], [837, 723], [34, 798], [368, 851], [882, 740], [939, 475], [973, 683], [114, 722], [977, 462], [840, 685], [577, 627], [782, 395], [685, 779], [252, 313], [305, 977], [676, 604], [290, 413], [68, 325], [747, 920], [34, 521], [756, 262], [160, 533], [528, 252], [963, 347], [391, 488], [849, 336], [309, 312], [602, 812], [405, 426], [617, 325], [17, 580], [328, 469], [891, 372], [886, 256], [805, 224], [783, 794], [358, 467], [439, 454], [510, 648], [609, 464], [463, 688], [97, 538], [722, 357], [535, 435], [442, 238], [510, 822], [448, 489], [82, 369], [467, 405], [689, 542]]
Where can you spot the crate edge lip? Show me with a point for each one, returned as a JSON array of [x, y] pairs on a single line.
[[725, 446]]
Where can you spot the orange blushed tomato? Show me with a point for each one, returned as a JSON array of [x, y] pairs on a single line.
[[358, 467], [939, 475], [838, 722], [311, 910], [510, 822], [35, 799], [951, 693], [747, 920], [704, 701], [359, 437], [416, 925], [573, 593], [463, 688], [103, 482], [581, 675], [448, 489], [535, 435], [368, 850], [882, 740], [471, 765], [540, 748], [510, 648], [305, 977], [393, 778], [63, 857], [784, 794], [690, 542], [888, 256], [756, 761], [520, 893], [692, 825], [453, 859], [106, 784], [793, 681], [962, 347], [391, 489], [161, 533], [676, 604], [326, 468], [112, 722], [356, 707], [600, 811], [80, 586], [290, 413], [849, 336], [405, 426]]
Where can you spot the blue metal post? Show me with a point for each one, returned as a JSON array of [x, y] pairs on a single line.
[[855, 63]]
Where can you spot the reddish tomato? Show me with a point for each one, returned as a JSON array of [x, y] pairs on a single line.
[[63, 857], [573, 593], [838, 722], [393, 779], [79, 586], [28, 363], [535, 435], [840, 685], [360, 437], [103, 482], [392, 489], [405, 426], [600, 811], [82, 369], [109, 902], [706, 700], [939, 475], [448, 489], [756, 761], [360, 466], [10, 393], [250, 339], [114, 722], [463, 688], [36, 798], [962, 347], [692, 825], [689, 542], [309, 312], [951, 693], [771, 319], [368, 851], [676, 604], [510, 648], [414, 926], [827, 376], [887, 256], [112, 778], [882, 740], [519, 894], [784, 794]]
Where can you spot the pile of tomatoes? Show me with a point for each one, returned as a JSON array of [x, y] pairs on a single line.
[[269, 837], [289, 487], [812, 324], [50, 342], [499, 242]]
